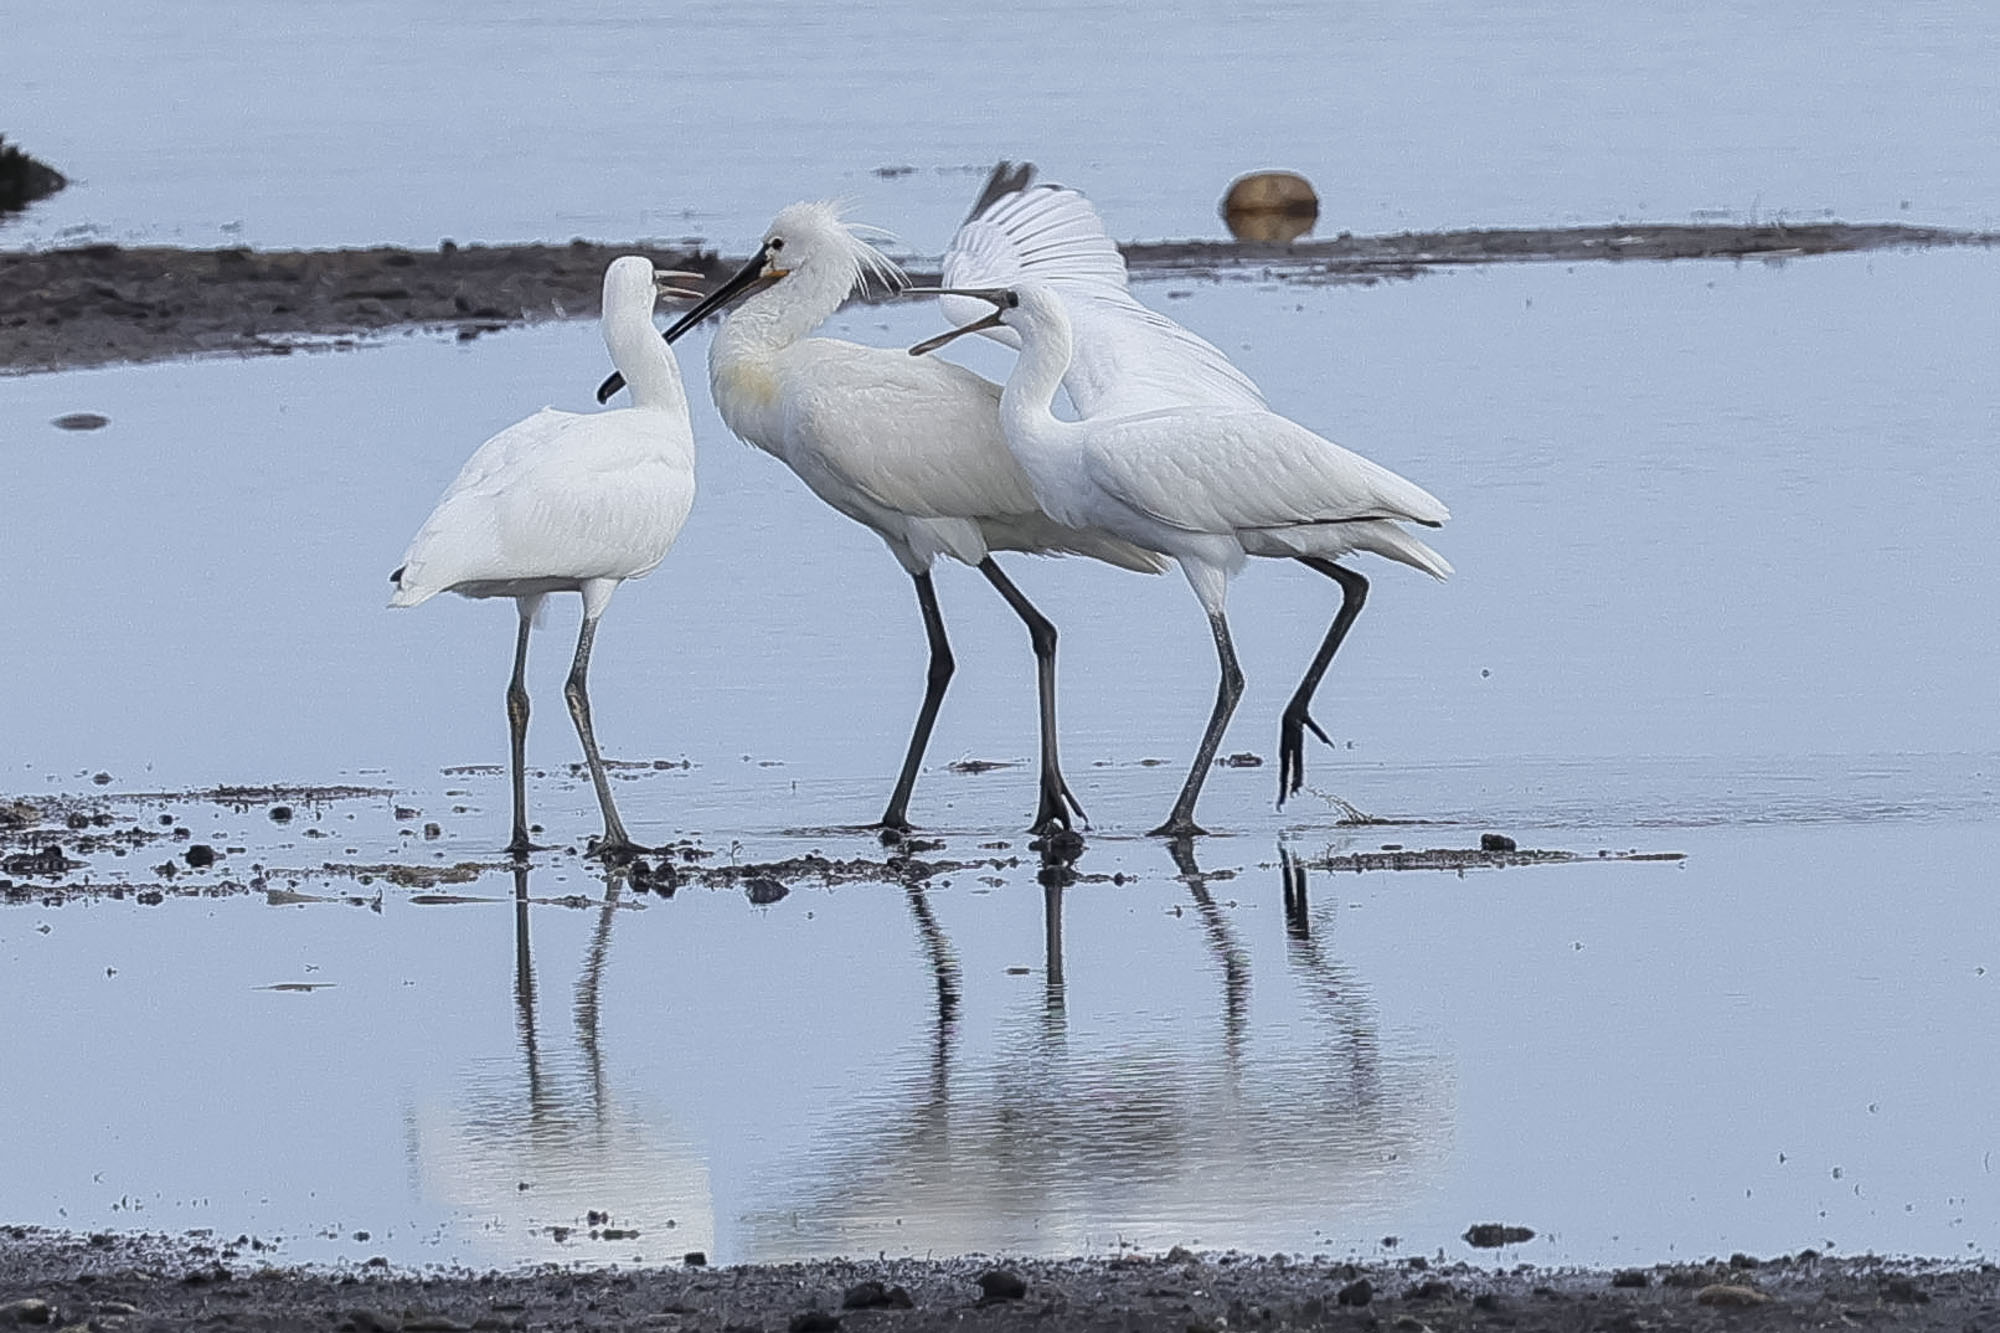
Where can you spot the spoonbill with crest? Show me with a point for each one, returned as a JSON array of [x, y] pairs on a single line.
[[911, 449]]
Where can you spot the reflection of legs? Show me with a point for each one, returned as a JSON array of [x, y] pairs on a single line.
[[896, 819], [1298, 924], [614, 845], [1057, 802], [524, 987], [1291, 730], [517, 725], [1180, 823], [1052, 947]]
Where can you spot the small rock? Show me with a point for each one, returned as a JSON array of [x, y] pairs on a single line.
[[1270, 206], [695, 1259], [1730, 1296], [1486, 1302], [1431, 1290], [1492, 1235], [872, 1295], [1497, 842], [998, 1284], [1632, 1277], [81, 421], [1356, 1293], [30, 1311], [200, 856], [281, 814], [762, 890], [1241, 759], [814, 1321], [1904, 1291], [1181, 1254], [435, 1323]]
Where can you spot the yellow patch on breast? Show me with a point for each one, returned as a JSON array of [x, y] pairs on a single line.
[[747, 386]]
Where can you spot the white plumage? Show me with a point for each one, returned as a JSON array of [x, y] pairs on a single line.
[[1207, 485], [912, 449], [569, 502], [1128, 357]]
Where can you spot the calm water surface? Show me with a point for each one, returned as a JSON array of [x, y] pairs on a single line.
[[214, 123], [1721, 533]]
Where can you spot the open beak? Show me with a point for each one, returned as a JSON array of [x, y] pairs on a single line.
[[664, 280], [747, 276], [1002, 299]]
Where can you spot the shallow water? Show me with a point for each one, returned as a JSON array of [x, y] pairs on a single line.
[[211, 125], [1719, 531]]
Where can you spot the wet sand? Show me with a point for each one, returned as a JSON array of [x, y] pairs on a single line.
[[111, 1284], [104, 304]]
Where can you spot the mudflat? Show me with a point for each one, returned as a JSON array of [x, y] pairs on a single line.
[[106, 304], [114, 1283]]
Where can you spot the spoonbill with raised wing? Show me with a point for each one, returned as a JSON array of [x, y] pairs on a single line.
[[1208, 485]]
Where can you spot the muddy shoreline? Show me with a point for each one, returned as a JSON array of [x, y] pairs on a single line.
[[102, 305], [119, 1283]]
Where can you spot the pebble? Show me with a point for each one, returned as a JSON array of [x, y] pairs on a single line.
[[1728, 1295], [30, 1311], [998, 1284]]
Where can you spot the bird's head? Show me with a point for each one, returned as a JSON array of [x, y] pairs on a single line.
[[631, 280], [806, 242], [1013, 307], [813, 253]]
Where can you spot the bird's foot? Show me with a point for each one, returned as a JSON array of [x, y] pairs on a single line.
[[614, 850], [1058, 845], [520, 848], [1292, 750], [892, 828], [1177, 827]]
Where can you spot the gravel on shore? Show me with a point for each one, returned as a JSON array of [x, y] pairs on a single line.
[[118, 1283]]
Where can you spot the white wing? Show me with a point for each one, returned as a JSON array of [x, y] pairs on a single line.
[[1129, 357], [1231, 470], [559, 495]]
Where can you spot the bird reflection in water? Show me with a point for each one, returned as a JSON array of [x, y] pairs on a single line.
[[529, 1149], [1089, 1115], [1223, 944]]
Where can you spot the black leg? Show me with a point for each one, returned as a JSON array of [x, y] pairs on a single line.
[[614, 846], [517, 734], [1057, 802], [896, 819], [1291, 731], [1180, 823]]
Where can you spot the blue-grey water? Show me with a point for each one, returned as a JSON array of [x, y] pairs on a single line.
[[1721, 533]]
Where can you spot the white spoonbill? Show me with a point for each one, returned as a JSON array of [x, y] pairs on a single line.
[[1208, 486], [569, 502], [911, 449]]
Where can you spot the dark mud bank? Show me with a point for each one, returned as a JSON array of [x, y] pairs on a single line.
[[111, 1284], [104, 304]]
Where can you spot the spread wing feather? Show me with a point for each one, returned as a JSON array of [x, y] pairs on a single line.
[[1129, 357]]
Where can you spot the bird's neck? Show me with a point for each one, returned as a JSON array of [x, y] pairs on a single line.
[[787, 311], [1027, 400], [645, 361]]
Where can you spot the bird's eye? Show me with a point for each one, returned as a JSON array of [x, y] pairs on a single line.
[[1013, 301], [775, 243]]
